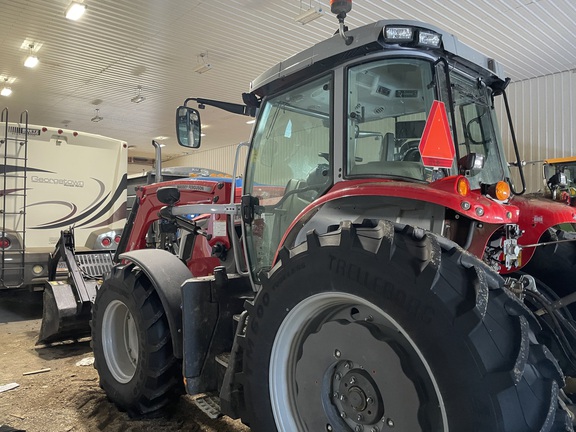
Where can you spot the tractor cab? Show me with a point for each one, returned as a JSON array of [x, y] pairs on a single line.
[[560, 178], [363, 111]]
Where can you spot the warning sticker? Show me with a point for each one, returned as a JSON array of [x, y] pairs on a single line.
[[437, 146]]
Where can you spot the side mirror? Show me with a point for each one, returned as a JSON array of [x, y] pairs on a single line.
[[188, 127]]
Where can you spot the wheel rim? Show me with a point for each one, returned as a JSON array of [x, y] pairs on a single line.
[[120, 341], [338, 362]]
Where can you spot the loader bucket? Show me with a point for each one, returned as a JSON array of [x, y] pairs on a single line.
[[65, 317]]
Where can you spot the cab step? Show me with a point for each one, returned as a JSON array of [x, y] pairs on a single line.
[[210, 405], [223, 359]]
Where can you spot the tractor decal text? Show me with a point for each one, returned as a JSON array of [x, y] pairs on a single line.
[[288, 273], [398, 296]]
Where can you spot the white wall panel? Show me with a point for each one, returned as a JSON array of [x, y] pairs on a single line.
[[543, 113]]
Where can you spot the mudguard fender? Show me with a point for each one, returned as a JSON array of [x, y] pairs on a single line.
[[167, 273]]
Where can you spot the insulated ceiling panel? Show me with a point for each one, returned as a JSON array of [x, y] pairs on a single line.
[[99, 61]]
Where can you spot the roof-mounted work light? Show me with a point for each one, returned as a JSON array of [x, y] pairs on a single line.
[[399, 34], [412, 36], [429, 38]]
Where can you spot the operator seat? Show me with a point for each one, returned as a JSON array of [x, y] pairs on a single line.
[[388, 147]]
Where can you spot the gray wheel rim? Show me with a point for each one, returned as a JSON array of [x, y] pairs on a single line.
[[120, 341], [320, 354]]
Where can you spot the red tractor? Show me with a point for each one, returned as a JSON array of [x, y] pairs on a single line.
[[372, 277]]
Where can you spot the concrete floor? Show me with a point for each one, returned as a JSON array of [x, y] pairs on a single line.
[[20, 305]]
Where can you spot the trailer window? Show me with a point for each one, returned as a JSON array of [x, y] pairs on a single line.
[[388, 102]]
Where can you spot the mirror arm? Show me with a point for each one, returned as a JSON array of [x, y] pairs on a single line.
[[226, 106]]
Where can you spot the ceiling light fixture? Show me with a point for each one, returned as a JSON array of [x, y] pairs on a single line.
[[31, 61], [75, 10], [97, 117], [204, 66], [138, 98], [6, 91], [314, 12]]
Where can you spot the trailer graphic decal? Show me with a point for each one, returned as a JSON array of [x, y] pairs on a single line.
[[117, 194], [57, 181], [102, 190], [73, 208], [15, 168], [118, 215], [9, 191], [17, 130]]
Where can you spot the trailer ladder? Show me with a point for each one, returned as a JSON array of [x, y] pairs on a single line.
[[14, 152]]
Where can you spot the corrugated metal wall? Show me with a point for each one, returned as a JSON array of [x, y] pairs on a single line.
[[220, 159], [543, 113]]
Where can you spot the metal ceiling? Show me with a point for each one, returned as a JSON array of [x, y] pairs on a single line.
[[99, 61]]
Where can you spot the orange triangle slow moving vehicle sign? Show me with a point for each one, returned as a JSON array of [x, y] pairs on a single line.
[[437, 146]]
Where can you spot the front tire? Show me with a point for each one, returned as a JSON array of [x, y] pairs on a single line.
[[371, 328], [133, 346]]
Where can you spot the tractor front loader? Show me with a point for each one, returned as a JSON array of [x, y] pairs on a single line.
[[372, 277], [76, 275]]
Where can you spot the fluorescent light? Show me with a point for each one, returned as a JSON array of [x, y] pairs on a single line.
[[75, 11], [160, 138], [204, 67], [251, 121], [310, 15], [31, 61], [138, 98], [6, 91], [97, 117]]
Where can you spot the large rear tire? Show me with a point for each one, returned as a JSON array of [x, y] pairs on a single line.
[[369, 328], [133, 346]]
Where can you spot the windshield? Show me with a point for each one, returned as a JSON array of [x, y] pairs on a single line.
[[388, 102], [288, 164]]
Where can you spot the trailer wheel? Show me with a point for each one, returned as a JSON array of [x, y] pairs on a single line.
[[132, 345], [373, 328]]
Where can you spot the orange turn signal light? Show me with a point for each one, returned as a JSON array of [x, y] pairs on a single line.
[[499, 191], [502, 191], [463, 186]]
